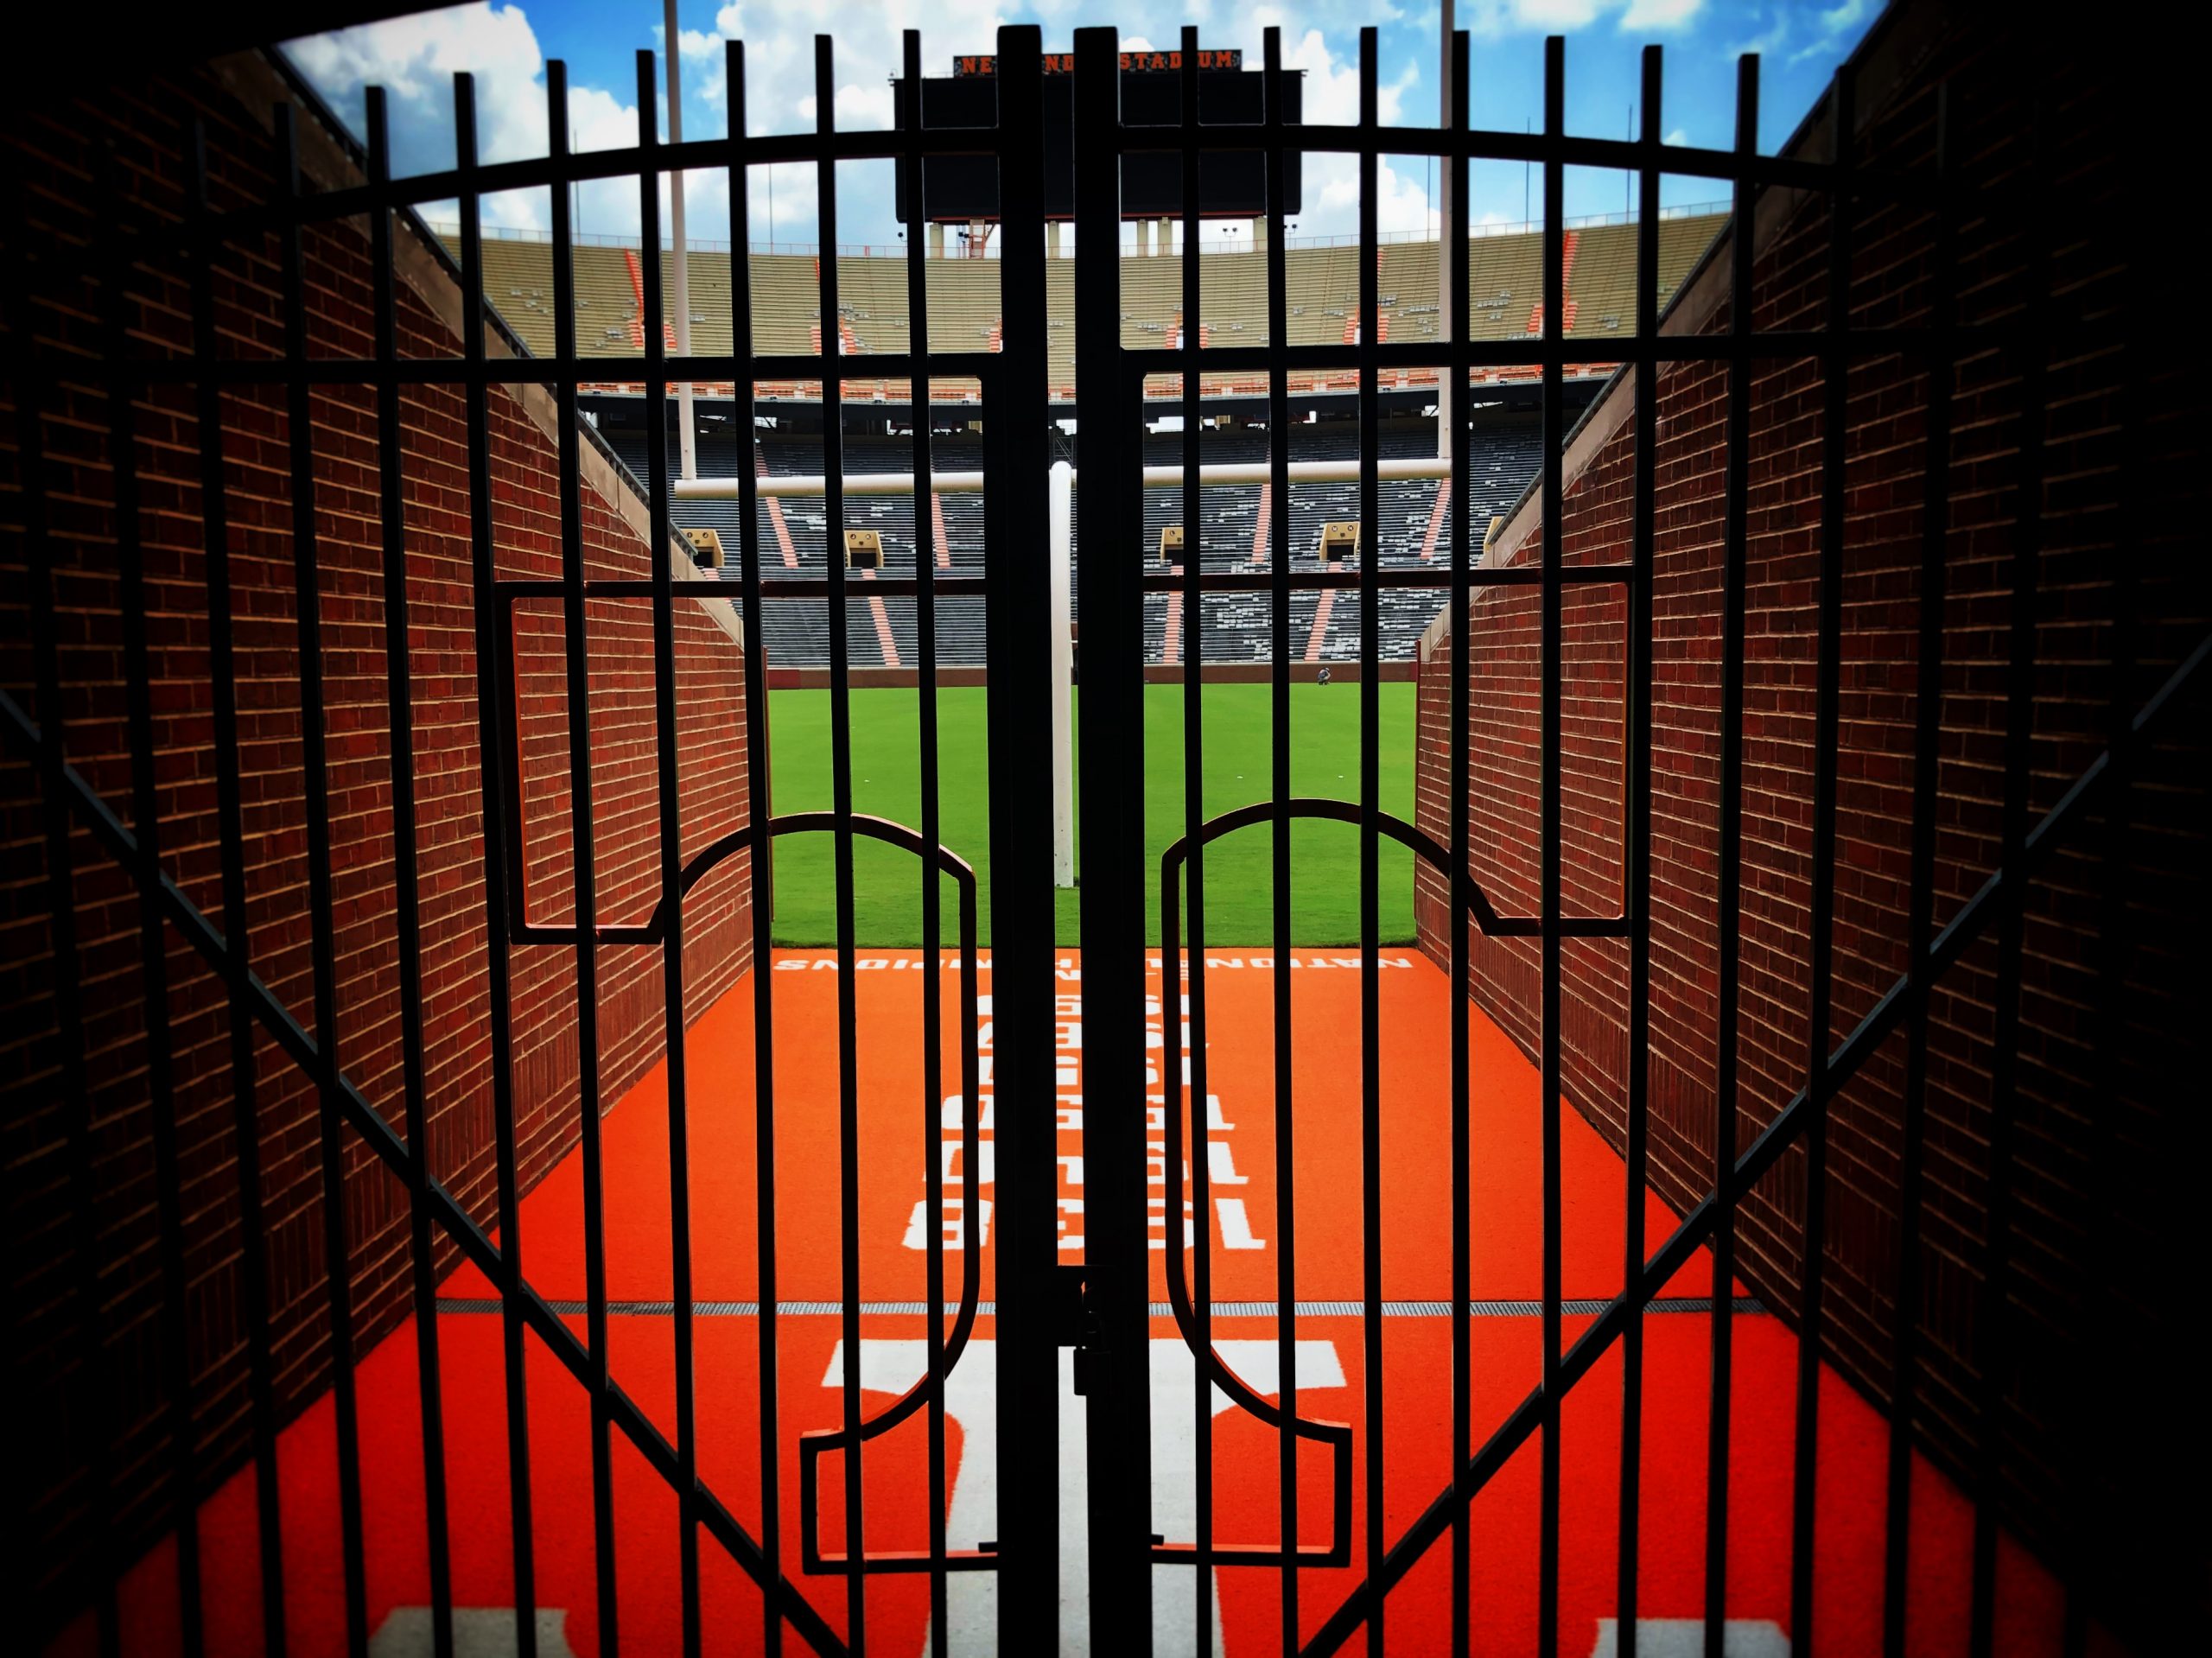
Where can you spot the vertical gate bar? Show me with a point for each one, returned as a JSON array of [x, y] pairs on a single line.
[[1111, 829], [1827, 668], [146, 828], [841, 785], [1927, 726], [584, 844], [222, 673], [1019, 673], [391, 512], [1992, 1313], [918, 345], [1194, 815], [761, 872], [1549, 834], [68, 1017], [1279, 865], [2108, 1033], [316, 783], [496, 755], [1636, 740], [1734, 532], [1371, 852], [669, 836], [1463, 1352]]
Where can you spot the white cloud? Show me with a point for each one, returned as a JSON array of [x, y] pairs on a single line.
[[857, 108], [415, 59], [779, 51], [1331, 181], [1836, 24], [1642, 15], [1772, 39], [1492, 18], [416, 56], [1679, 135], [706, 75], [779, 91], [1400, 203], [1331, 95]]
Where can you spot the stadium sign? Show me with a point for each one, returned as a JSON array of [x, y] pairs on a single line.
[[1133, 63]]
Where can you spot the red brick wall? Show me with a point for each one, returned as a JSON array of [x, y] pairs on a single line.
[[2079, 1080], [52, 155]]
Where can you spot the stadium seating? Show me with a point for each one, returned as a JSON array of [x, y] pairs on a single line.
[[1234, 533], [1505, 289], [1602, 286]]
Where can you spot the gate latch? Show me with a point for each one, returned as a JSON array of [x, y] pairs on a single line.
[[1075, 1324]]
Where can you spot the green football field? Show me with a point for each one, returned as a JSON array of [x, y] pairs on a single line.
[[887, 781]]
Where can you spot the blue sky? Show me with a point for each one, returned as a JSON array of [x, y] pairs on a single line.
[[506, 47]]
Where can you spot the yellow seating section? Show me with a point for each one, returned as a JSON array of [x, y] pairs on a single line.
[[1505, 283]]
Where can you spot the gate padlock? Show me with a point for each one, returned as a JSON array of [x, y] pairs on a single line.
[[1074, 1322], [1071, 1320]]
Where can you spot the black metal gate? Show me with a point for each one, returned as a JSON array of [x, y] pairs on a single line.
[[1102, 1308]]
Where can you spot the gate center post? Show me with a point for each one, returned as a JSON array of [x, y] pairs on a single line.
[[1109, 578]]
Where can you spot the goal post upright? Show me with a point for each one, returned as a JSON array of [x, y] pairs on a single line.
[[1059, 522]]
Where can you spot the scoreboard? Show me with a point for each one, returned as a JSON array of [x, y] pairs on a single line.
[[957, 189], [1063, 63]]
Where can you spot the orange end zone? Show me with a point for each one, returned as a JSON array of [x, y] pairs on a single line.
[[902, 1123]]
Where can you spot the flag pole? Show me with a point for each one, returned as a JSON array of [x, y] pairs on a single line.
[[687, 440], [1449, 385]]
